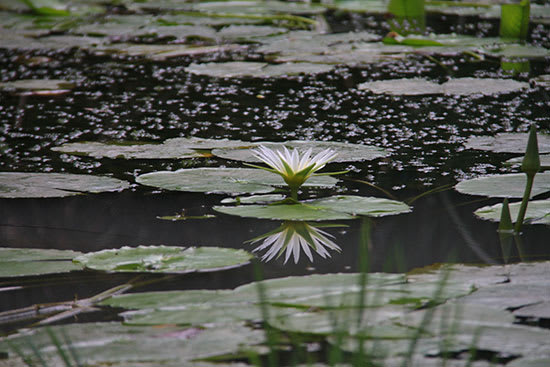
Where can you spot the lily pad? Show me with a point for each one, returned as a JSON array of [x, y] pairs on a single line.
[[16, 262], [223, 180], [114, 344], [504, 186], [507, 143], [457, 86], [544, 161], [45, 87], [176, 148], [347, 152], [538, 212], [164, 259], [48, 185], [198, 315], [254, 199], [239, 69], [332, 208]]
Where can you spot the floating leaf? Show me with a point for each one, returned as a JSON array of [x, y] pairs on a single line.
[[114, 344], [223, 180], [507, 143], [332, 208], [457, 86], [544, 161], [45, 185], [254, 199], [238, 69], [176, 148], [508, 51], [504, 186], [38, 86], [164, 259], [537, 311], [538, 212], [283, 212], [16, 262], [249, 32], [347, 152], [196, 315]]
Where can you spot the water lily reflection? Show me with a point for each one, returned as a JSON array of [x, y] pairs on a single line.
[[292, 237]]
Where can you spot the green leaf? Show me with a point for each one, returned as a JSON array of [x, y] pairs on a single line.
[[514, 20], [504, 186], [347, 152], [538, 212], [223, 180], [507, 143], [332, 208], [164, 259], [46, 185], [39, 86], [113, 344], [16, 262], [544, 161], [458, 86], [240, 69], [176, 148]]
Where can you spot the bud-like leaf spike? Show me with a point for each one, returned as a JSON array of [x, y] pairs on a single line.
[[505, 224], [531, 161]]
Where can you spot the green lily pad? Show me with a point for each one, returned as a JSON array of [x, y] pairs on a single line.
[[327, 322], [170, 299], [457, 86], [197, 315], [347, 152], [164, 52], [176, 148], [164, 259], [114, 344], [223, 180], [536, 311], [530, 362], [332, 208], [254, 199], [538, 212], [48, 185], [504, 186], [16, 262], [544, 161], [38, 87], [249, 32], [239, 69], [516, 50], [507, 143]]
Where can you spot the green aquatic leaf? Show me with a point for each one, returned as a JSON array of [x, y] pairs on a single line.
[[507, 143], [284, 212], [38, 86], [239, 69], [114, 344], [254, 199], [197, 315], [347, 152], [504, 186], [514, 20], [176, 148], [538, 212], [457, 86], [47, 185], [332, 208], [223, 180], [16, 262], [164, 259]]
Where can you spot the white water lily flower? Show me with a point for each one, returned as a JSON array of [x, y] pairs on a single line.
[[295, 168], [292, 238]]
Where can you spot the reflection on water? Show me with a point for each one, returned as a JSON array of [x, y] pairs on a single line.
[[292, 237]]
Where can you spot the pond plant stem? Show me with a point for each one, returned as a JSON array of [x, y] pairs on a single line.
[[530, 165]]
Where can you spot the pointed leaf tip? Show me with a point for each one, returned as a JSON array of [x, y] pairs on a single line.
[[531, 161], [505, 224]]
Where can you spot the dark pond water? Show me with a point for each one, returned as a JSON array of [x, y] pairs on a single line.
[[136, 100]]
